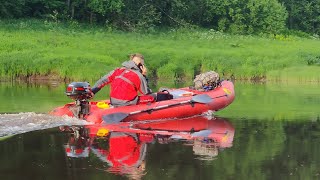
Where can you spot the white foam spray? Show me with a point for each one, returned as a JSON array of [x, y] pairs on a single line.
[[11, 124]]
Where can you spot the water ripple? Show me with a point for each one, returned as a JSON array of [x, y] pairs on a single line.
[[11, 124]]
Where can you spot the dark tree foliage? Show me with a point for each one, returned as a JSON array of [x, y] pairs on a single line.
[[12, 9], [242, 16], [304, 15], [234, 16]]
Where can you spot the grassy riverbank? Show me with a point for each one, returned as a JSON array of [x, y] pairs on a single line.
[[33, 48]]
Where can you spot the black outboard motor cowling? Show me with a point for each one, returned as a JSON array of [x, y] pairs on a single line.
[[81, 93], [78, 90]]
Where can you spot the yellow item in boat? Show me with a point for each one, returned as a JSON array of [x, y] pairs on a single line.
[[103, 105], [102, 132]]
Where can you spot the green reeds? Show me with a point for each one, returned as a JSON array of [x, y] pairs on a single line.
[[39, 48]]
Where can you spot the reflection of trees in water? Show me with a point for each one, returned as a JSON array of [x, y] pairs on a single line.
[[269, 150], [301, 162], [183, 159], [256, 143]]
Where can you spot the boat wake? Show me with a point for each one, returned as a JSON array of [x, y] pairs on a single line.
[[12, 124]]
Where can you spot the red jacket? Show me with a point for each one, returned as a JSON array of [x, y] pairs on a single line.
[[125, 82]]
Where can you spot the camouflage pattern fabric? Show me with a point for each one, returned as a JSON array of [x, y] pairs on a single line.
[[205, 79]]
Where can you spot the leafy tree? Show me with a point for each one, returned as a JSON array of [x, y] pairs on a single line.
[[12, 9], [304, 15], [246, 16], [104, 6], [235, 16], [42, 8]]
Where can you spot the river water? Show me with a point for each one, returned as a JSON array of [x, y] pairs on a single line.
[[270, 131]]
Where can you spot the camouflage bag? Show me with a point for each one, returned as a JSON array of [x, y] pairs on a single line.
[[206, 81]]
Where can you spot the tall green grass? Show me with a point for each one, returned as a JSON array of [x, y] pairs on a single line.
[[80, 52], [296, 74]]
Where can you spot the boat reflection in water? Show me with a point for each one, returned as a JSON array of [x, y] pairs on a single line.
[[123, 146]]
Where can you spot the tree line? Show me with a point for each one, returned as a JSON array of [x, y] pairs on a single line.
[[232, 16]]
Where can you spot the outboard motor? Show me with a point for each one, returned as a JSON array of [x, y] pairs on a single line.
[[80, 92]]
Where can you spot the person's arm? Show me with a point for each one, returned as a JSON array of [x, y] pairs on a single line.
[[102, 82], [147, 80], [143, 88]]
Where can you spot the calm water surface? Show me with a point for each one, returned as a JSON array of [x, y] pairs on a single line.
[[271, 131]]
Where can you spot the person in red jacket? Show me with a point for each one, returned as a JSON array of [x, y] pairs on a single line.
[[126, 82]]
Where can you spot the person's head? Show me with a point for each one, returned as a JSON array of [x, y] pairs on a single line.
[[137, 58]]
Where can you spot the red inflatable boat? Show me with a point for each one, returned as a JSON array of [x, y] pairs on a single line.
[[186, 102]]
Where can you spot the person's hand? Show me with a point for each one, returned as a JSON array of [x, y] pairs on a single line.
[[90, 95], [144, 70]]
